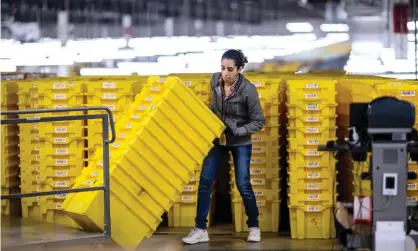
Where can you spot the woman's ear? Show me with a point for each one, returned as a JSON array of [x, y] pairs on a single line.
[[240, 69]]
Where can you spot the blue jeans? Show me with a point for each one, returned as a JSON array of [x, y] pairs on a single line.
[[242, 160]]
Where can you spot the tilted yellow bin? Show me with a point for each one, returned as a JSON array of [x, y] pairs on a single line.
[[160, 140]]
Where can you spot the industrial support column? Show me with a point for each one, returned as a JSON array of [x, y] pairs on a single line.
[[335, 11], [341, 13], [127, 26], [186, 17], [220, 24], [198, 22], [329, 11], [169, 27], [220, 28], [387, 16], [400, 9], [62, 34], [169, 22]]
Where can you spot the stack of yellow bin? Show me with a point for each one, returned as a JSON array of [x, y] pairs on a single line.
[[199, 84], [352, 90], [51, 154], [311, 117], [9, 150], [359, 89], [183, 213], [152, 160], [116, 94], [264, 169]]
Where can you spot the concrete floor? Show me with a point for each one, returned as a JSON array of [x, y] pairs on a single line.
[[221, 240], [17, 231]]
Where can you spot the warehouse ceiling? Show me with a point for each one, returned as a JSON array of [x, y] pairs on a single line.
[[110, 11]]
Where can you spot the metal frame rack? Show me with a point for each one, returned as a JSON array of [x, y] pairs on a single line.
[[14, 237]]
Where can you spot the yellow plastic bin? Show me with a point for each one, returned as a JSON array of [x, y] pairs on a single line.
[[312, 222]]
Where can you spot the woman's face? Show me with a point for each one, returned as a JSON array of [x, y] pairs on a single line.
[[229, 70]]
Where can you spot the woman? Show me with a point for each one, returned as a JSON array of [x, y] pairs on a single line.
[[236, 102]]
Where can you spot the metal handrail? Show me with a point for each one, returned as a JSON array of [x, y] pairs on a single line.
[[106, 119], [92, 108]]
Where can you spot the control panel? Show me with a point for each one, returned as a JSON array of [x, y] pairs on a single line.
[[390, 184]]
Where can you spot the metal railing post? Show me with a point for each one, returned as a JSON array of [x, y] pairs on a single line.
[[106, 119], [107, 222]]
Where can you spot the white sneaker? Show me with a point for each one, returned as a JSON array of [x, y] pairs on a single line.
[[197, 235], [254, 234]]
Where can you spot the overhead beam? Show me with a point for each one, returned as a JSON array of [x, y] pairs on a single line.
[[111, 10]]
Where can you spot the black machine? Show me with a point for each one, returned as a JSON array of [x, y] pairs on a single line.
[[384, 127]]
